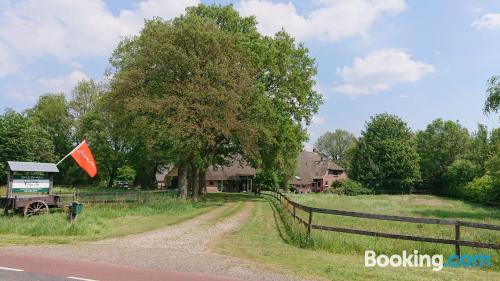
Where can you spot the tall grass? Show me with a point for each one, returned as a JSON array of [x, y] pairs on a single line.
[[396, 205], [102, 220]]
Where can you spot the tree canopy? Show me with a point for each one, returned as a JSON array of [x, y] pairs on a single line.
[[335, 145], [207, 88], [492, 103], [21, 140], [385, 157], [439, 145]]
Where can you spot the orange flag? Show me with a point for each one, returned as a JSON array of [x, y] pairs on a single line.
[[84, 158]]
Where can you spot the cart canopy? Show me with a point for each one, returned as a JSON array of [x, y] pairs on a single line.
[[15, 166]]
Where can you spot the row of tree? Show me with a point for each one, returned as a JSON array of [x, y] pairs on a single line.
[[49, 131], [444, 158], [202, 89]]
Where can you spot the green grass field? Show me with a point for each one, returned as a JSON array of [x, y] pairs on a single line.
[[274, 240], [403, 205], [100, 220]]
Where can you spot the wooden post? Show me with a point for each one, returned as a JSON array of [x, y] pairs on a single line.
[[10, 178], [51, 182], [309, 224], [293, 211], [457, 238]]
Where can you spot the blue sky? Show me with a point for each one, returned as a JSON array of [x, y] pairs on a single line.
[[420, 60]]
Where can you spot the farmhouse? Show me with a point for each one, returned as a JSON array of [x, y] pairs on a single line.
[[313, 173], [235, 177]]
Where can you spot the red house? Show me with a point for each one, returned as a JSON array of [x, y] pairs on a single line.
[[315, 173]]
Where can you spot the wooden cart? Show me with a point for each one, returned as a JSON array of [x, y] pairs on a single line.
[[29, 188]]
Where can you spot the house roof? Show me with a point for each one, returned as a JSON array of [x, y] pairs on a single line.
[[233, 171], [312, 166], [163, 172], [16, 166]]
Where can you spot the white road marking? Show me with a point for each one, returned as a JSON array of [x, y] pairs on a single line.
[[80, 278], [10, 269]]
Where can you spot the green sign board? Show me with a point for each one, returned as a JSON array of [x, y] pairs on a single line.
[[22, 184]]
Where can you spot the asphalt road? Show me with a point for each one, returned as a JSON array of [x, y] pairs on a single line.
[[17, 267]]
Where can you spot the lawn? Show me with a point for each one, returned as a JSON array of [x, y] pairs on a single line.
[[100, 220], [275, 243]]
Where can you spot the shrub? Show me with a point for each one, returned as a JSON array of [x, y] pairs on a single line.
[[480, 190], [348, 187], [126, 173], [267, 180], [458, 174]]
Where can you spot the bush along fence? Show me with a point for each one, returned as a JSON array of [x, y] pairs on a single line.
[[291, 207]]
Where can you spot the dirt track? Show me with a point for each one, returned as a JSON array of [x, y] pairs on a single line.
[[183, 247]]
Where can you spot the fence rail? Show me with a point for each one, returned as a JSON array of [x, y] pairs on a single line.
[[110, 196], [291, 207]]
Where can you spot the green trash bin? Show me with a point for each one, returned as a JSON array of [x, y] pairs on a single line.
[[76, 208]]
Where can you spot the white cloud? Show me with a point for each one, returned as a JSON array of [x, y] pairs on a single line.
[[8, 64], [350, 89], [67, 32], [63, 83], [317, 120], [379, 71], [489, 21], [29, 88], [74, 29], [331, 20]]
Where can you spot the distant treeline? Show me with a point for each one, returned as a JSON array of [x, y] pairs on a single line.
[[444, 158]]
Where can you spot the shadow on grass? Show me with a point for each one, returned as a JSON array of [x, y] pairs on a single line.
[[223, 198]]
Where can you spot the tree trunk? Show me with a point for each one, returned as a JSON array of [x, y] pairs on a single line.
[[112, 176], [182, 181], [202, 182], [194, 183]]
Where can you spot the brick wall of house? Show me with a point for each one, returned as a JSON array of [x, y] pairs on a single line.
[[211, 186], [328, 178]]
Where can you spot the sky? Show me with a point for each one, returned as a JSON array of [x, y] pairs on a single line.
[[419, 60]]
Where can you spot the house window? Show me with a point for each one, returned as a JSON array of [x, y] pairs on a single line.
[[211, 183], [334, 172]]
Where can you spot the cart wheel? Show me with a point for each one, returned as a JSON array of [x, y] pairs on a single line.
[[35, 208]]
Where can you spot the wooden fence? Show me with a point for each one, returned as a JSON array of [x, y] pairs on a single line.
[[291, 207], [112, 196]]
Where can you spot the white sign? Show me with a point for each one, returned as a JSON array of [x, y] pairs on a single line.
[[30, 184]]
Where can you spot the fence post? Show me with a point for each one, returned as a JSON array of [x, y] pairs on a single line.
[[293, 205], [309, 224], [457, 238]]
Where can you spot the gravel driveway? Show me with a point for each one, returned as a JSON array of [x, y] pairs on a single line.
[[181, 247]]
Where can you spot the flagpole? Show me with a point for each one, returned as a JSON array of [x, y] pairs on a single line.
[[70, 153]]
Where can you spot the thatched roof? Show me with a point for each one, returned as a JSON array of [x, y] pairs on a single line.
[[233, 171], [312, 166]]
